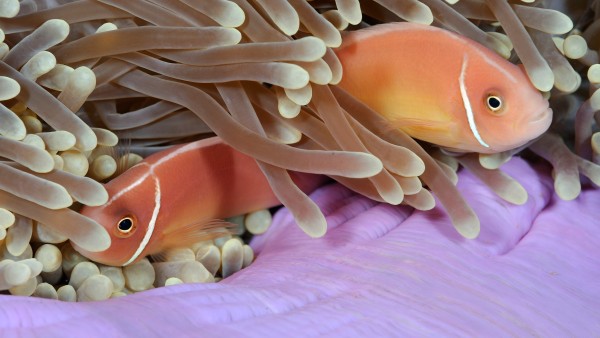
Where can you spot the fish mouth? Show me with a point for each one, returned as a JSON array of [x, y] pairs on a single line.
[[544, 116]]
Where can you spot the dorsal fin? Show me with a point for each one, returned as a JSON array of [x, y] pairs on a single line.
[[120, 153]]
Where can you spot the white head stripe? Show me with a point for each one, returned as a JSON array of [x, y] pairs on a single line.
[[151, 167], [484, 56], [467, 103], [150, 229], [129, 187], [496, 66], [173, 154]]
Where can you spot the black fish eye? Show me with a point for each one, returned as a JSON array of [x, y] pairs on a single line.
[[494, 103], [125, 225]]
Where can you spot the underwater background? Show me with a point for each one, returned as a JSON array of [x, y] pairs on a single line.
[[78, 76]]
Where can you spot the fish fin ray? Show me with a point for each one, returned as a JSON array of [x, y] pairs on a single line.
[[422, 123], [118, 153], [181, 236], [454, 152], [159, 256], [437, 132], [121, 153]]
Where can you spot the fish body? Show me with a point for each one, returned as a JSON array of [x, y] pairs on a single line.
[[176, 198], [442, 88]]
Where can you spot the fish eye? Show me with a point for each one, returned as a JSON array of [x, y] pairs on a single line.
[[494, 103], [125, 227]]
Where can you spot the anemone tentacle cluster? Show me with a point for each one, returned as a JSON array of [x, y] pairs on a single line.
[[75, 76]]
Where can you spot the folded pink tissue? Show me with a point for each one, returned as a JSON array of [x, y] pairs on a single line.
[[380, 270]]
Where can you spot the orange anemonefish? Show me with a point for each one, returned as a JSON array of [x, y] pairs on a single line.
[[442, 88], [176, 197]]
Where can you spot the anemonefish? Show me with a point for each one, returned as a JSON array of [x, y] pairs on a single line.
[[178, 196], [435, 85], [442, 88]]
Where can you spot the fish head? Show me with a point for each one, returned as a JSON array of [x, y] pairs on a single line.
[[508, 110], [129, 217]]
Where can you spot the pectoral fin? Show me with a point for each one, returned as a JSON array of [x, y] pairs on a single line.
[[443, 133], [420, 125], [182, 236]]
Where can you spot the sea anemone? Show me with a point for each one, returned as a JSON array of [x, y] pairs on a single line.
[[78, 75]]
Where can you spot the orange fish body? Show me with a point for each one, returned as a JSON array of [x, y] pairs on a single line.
[[442, 88], [175, 197]]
